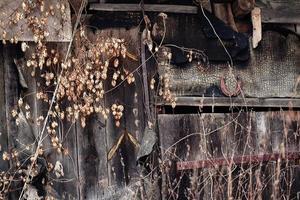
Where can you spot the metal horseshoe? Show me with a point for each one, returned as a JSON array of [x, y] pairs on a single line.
[[229, 93]]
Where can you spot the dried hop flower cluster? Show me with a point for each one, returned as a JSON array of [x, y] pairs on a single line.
[[83, 78], [117, 111]]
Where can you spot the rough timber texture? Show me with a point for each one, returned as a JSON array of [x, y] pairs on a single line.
[[17, 137], [189, 137], [280, 11], [3, 127], [11, 99], [88, 173], [100, 178]]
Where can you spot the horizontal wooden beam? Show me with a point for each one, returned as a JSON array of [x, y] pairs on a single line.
[[147, 7], [237, 160], [288, 15], [283, 11], [235, 102], [281, 16]]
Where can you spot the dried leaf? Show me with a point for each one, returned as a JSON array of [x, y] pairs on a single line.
[[155, 30], [113, 150], [147, 21], [147, 40], [59, 169], [133, 140], [131, 56], [163, 15], [144, 35]]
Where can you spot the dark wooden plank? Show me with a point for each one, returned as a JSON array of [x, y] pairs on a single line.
[[37, 108], [3, 127], [135, 103], [145, 80], [235, 102], [270, 128], [11, 93], [91, 152], [171, 129], [263, 146], [66, 187], [11, 101], [147, 7], [290, 121], [99, 178], [122, 168], [92, 158], [117, 171], [284, 138]]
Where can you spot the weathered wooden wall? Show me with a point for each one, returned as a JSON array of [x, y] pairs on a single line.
[[88, 173], [100, 135], [206, 136]]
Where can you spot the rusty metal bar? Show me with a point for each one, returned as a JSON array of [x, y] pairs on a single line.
[[247, 159]]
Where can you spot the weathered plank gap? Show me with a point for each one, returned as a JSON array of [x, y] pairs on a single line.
[[145, 81], [3, 125], [78, 158]]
